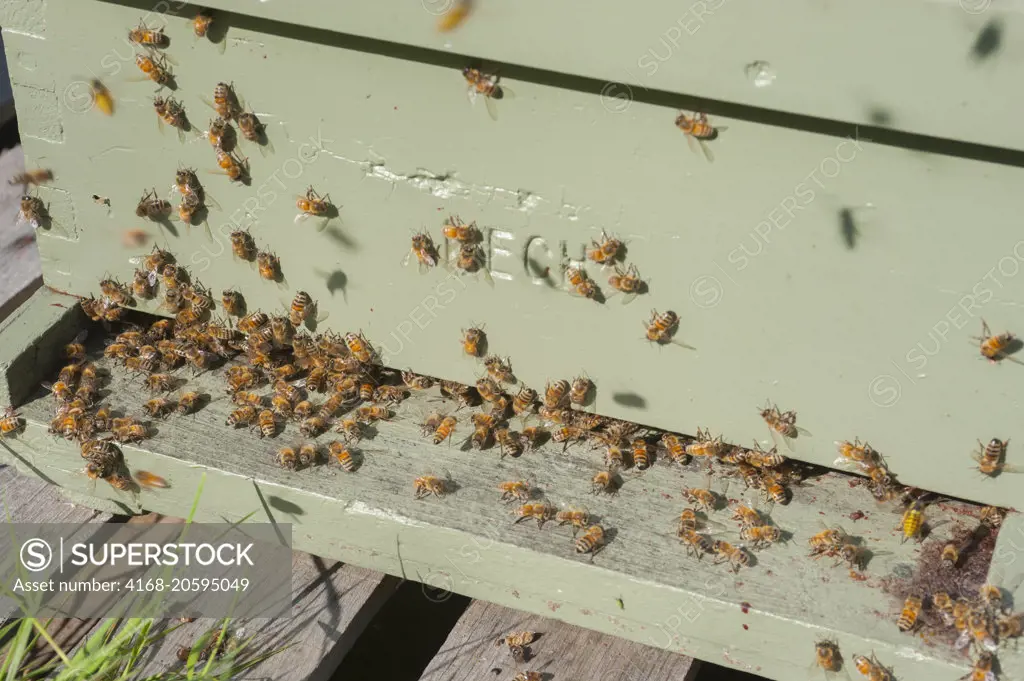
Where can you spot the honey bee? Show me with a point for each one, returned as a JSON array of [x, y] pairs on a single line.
[[170, 112], [312, 426], [748, 516], [532, 437], [576, 516], [854, 556], [152, 207], [236, 170], [159, 407], [189, 403], [160, 382], [557, 394], [142, 285], [488, 389], [151, 480], [352, 428], [673, 444], [702, 497], [220, 135], [269, 266], [281, 405], [424, 250], [244, 416], [912, 522], [301, 308], [579, 283], [426, 485], [266, 423], [10, 423], [343, 456], [995, 348], [470, 258], [982, 669], [416, 382], [499, 369], [444, 429], [950, 556], [591, 541], [1010, 626], [33, 212], [827, 656], [761, 535], [359, 348], [519, 639], [758, 458], [641, 454], [991, 458], [515, 490], [859, 454], [698, 132], [454, 17], [36, 177], [487, 85], [371, 413], [977, 631], [614, 458], [286, 458], [627, 282], [201, 23], [662, 326], [148, 37], [253, 322], [527, 676], [314, 205], [155, 70], [871, 668], [253, 130], [735, 556], [605, 251], [908, 619], [132, 432], [991, 516], [991, 596], [308, 455], [604, 481], [566, 435], [457, 230], [510, 442], [225, 101], [101, 97], [827, 542], [233, 303], [783, 423], [540, 511], [303, 410]]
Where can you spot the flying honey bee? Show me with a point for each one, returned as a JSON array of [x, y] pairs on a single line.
[[32, 212], [155, 69], [148, 37], [591, 541], [426, 485], [996, 347], [101, 97], [991, 458], [149, 480], [170, 112], [253, 130], [698, 132], [425, 251], [36, 177], [487, 85], [455, 15], [908, 619], [473, 341], [313, 205]]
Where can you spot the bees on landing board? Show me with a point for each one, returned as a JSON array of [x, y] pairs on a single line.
[[159, 407], [371, 413], [269, 266], [510, 442], [151, 481], [345, 458], [160, 382], [253, 130], [557, 394], [313, 205], [641, 453], [243, 246], [995, 348], [673, 445], [532, 437], [253, 322], [32, 212], [236, 169], [286, 458], [487, 85], [170, 112], [243, 416], [36, 177], [312, 426], [515, 490], [628, 282], [519, 639], [827, 542], [702, 497], [827, 657], [1010, 626], [142, 284], [393, 394], [580, 390], [908, 619], [189, 403], [528, 676], [233, 303], [499, 369], [455, 229], [524, 401], [152, 207], [747, 515], [483, 432], [576, 516], [444, 429], [541, 511], [148, 37], [473, 341], [698, 132], [859, 454], [266, 423], [579, 283], [130, 432], [783, 423], [75, 350], [982, 669], [225, 101], [10, 423], [591, 541], [606, 482], [991, 596], [303, 410], [116, 292], [991, 458], [425, 485], [220, 135], [488, 389], [977, 630], [425, 251], [155, 69], [416, 381], [912, 523]]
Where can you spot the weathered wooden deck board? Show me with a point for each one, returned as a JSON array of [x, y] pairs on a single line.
[[467, 542], [332, 604], [563, 651]]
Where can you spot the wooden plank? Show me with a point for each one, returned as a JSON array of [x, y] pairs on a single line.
[[765, 618], [562, 651], [814, 59], [332, 604], [749, 251]]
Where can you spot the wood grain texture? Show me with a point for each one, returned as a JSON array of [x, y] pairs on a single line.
[[764, 619], [955, 53], [332, 604], [749, 251], [562, 651]]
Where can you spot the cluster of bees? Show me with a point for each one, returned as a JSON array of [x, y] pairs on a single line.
[[518, 643]]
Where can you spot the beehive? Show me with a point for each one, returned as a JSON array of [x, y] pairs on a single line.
[[823, 266]]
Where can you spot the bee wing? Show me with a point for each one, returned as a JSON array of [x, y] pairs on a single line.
[[707, 151], [208, 103], [486, 274], [209, 201], [692, 142], [506, 92], [301, 217], [492, 107], [181, 135], [627, 298]]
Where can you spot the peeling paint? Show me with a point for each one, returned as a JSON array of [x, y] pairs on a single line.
[[361, 508]]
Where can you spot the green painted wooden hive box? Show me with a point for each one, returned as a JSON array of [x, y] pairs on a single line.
[[832, 247]]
